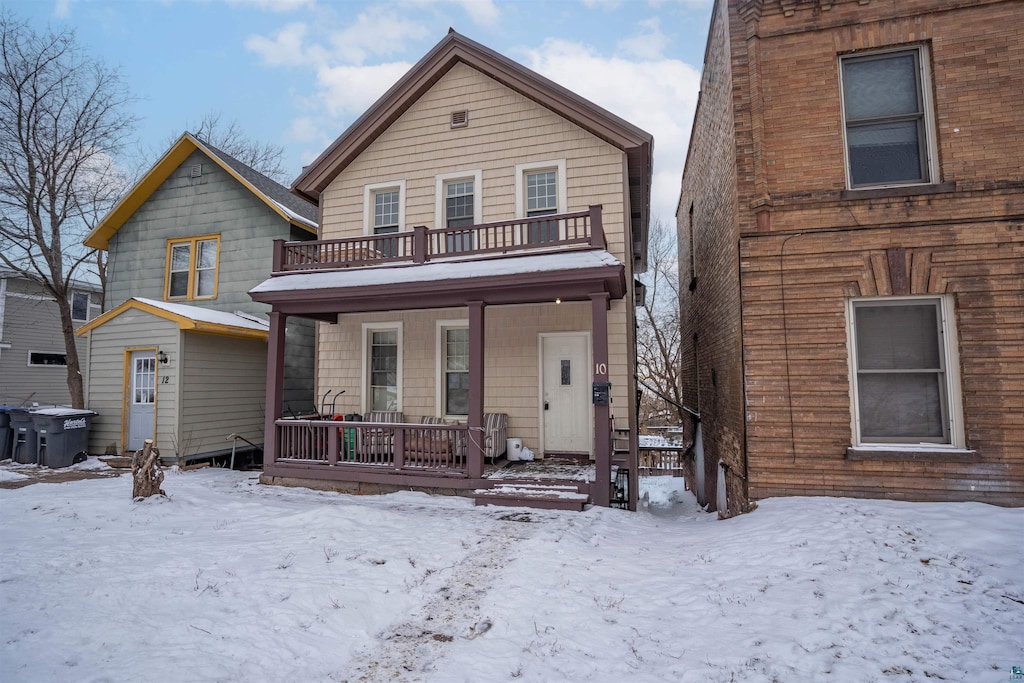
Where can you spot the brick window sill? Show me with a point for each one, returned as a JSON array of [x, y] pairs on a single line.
[[897, 454]]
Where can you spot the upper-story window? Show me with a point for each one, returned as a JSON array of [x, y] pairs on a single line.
[[888, 119], [192, 266], [540, 191], [384, 213], [458, 205], [81, 306]]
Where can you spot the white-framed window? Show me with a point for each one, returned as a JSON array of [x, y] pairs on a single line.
[[453, 368], [49, 359], [384, 212], [888, 118], [458, 204], [80, 306], [382, 366], [541, 191], [903, 367]]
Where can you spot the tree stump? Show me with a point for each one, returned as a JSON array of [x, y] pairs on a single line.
[[146, 473]]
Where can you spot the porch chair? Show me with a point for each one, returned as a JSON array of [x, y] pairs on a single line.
[[495, 435]]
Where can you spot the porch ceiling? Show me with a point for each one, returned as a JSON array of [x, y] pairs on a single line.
[[442, 284]]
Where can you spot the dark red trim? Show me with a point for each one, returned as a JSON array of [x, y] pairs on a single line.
[[275, 384], [601, 493], [475, 451]]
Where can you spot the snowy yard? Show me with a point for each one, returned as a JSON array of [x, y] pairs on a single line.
[[228, 580]]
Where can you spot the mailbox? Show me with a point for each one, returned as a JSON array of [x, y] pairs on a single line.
[[601, 393]]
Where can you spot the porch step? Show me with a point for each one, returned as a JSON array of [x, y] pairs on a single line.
[[540, 496]]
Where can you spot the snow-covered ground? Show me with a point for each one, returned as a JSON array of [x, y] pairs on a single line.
[[228, 580]]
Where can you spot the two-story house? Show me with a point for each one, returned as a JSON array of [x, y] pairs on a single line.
[[33, 358], [180, 354], [480, 230], [851, 231]]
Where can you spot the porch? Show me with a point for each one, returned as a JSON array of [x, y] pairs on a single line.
[[509, 268]]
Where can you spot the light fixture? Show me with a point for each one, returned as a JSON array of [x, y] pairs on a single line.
[[558, 300], [162, 357]]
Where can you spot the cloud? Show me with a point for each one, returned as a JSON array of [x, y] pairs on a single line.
[[481, 12], [62, 8], [350, 90], [377, 31], [647, 42], [659, 95], [287, 48], [275, 5]]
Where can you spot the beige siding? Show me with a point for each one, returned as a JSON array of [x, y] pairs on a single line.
[[511, 382], [504, 129], [224, 382], [108, 346]]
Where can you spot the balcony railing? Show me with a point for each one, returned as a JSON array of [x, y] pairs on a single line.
[[422, 244]]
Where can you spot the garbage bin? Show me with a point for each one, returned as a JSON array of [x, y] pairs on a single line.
[[23, 438], [6, 434], [62, 435]]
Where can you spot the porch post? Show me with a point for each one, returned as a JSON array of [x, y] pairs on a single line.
[[475, 450], [602, 413], [275, 386]]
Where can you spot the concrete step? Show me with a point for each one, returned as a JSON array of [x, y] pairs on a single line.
[[538, 496]]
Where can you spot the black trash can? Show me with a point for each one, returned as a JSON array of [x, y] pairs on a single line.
[[62, 435], [6, 435], [23, 438]]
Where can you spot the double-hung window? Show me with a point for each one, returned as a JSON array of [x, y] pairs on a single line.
[[383, 366], [384, 213], [888, 118], [454, 348], [903, 371], [458, 206], [80, 302], [192, 267], [540, 191]]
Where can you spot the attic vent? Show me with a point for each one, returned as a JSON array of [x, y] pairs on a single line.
[[197, 170], [460, 119]]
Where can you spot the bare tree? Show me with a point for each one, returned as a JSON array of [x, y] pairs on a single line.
[[62, 121], [658, 333], [230, 138]]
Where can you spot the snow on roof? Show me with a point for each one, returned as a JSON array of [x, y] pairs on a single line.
[[449, 269], [294, 216], [205, 315]]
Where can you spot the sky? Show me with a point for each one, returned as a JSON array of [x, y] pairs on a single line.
[[296, 73], [229, 580]]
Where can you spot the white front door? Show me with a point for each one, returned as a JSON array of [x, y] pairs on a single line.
[[141, 398], [566, 393]]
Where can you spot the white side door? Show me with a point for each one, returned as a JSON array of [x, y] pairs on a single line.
[[566, 393], [141, 398]]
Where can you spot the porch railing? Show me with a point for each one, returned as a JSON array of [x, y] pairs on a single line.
[[662, 460], [417, 447], [422, 244]]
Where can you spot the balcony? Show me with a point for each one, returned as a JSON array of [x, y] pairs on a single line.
[[581, 229]]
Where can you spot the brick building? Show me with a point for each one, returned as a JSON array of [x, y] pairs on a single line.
[[851, 228]]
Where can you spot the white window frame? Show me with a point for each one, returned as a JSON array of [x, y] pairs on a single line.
[[440, 384], [557, 165], [948, 345], [396, 326], [370, 191], [88, 305], [62, 366], [927, 103], [441, 182]]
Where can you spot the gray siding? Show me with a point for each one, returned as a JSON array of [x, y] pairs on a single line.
[[224, 382], [106, 370], [31, 322], [214, 203]]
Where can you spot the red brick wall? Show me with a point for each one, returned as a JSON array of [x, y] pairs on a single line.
[[805, 240]]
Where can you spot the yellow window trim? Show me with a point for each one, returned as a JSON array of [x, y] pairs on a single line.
[[192, 251]]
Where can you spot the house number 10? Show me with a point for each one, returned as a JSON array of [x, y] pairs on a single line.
[[600, 368]]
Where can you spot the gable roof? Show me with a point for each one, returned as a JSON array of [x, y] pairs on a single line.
[[296, 210], [454, 48], [188, 317]]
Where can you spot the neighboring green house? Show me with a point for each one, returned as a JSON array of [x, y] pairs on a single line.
[[180, 354], [33, 360]]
